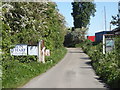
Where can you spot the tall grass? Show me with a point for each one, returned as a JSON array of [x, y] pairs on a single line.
[[17, 73], [107, 66]]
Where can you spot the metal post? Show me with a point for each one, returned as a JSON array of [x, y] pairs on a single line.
[[105, 18], [119, 13], [103, 44]]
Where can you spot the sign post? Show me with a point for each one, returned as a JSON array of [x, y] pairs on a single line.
[[43, 55], [103, 44], [108, 43], [24, 50], [39, 51], [42, 51]]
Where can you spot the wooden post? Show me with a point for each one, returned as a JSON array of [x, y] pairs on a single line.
[[43, 55], [39, 51]]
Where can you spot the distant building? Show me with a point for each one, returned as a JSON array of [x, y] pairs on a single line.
[[99, 35], [91, 38]]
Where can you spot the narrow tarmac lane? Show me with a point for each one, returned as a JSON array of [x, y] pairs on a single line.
[[74, 71]]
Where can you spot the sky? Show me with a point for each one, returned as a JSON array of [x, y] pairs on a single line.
[[97, 23]]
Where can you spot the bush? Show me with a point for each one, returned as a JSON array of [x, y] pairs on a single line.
[[106, 66], [74, 37], [28, 23], [17, 72]]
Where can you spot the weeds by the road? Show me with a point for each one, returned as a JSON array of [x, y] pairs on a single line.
[[106, 66], [17, 73]]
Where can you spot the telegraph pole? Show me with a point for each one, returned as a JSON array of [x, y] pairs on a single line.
[[105, 17], [119, 13]]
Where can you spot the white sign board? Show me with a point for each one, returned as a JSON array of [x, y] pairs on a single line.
[[109, 44], [47, 52], [33, 50], [19, 50]]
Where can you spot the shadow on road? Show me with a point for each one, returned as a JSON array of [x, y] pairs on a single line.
[[86, 67], [101, 81], [75, 52], [89, 63], [86, 58]]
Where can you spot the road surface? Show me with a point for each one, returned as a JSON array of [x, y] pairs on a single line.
[[74, 71]]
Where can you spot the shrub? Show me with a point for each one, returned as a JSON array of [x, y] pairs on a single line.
[[106, 66], [17, 72], [28, 23]]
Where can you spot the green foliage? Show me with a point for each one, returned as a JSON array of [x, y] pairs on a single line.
[[17, 72], [28, 23], [115, 20], [117, 45], [106, 66], [74, 37], [82, 12]]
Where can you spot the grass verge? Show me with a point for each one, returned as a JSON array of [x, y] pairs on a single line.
[[16, 74], [106, 66]]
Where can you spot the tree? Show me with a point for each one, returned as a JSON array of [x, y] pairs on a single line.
[[82, 12], [74, 37], [29, 22], [115, 20]]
